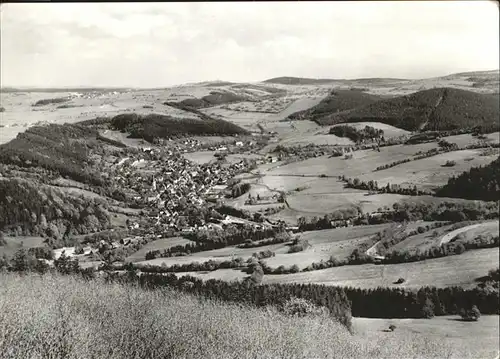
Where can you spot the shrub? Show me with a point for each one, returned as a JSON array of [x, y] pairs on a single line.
[[471, 315], [299, 246], [264, 254], [302, 307]]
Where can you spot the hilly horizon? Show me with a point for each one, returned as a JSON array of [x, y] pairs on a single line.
[[285, 80]]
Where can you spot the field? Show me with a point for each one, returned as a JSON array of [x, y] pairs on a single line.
[[13, 244], [461, 270], [362, 162], [38, 311], [451, 331], [429, 173], [444, 234], [338, 242]]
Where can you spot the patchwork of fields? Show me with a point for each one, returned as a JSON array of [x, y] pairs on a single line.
[[290, 189], [461, 270]]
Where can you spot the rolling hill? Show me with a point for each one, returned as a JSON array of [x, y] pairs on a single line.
[[60, 148], [336, 101], [161, 126], [434, 109], [213, 99]]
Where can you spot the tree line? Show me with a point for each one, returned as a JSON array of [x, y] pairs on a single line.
[[373, 186], [341, 301]]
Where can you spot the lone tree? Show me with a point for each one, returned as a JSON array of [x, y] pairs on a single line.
[[428, 309]]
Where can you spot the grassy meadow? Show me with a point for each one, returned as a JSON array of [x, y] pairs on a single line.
[[63, 317]]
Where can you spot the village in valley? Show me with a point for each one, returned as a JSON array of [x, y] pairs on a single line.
[[347, 216]]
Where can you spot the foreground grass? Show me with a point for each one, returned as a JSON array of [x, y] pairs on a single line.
[[63, 317]]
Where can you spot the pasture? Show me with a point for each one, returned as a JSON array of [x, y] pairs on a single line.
[[460, 270], [479, 337]]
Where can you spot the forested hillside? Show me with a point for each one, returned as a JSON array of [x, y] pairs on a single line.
[[434, 109], [64, 149], [481, 183], [154, 126], [30, 209], [336, 101]]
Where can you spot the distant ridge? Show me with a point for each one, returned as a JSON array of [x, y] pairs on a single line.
[[297, 81], [286, 80]]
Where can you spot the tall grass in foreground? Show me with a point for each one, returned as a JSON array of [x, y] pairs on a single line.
[[64, 317]]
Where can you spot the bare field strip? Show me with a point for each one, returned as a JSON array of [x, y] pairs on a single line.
[[459, 270]]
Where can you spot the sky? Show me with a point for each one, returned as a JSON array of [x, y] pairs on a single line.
[[164, 44]]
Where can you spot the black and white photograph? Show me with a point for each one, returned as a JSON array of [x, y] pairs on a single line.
[[250, 180]]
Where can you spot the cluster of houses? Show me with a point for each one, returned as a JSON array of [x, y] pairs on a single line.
[[166, 183]]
